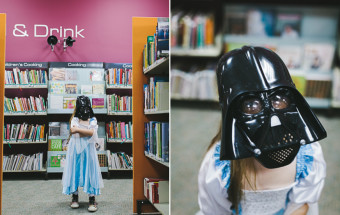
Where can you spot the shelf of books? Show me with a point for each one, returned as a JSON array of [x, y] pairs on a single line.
[[304, 37], [23, 163], [150, 94], [119, 124], [25, 95], [199, 39], [58, 143], [67, 80]]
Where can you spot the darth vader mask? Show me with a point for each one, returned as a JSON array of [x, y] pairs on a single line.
[[83, 108], [263, 115]]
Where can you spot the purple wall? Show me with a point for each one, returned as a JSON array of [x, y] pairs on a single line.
[[107, 28]]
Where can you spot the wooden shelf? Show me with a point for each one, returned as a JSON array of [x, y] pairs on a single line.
[[152, 157], [160, 67], [143, 167]]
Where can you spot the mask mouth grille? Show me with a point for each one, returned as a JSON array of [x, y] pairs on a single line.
[[279, 158]]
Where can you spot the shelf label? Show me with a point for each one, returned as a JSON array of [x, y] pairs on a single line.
[[77, 64], [26, 65]]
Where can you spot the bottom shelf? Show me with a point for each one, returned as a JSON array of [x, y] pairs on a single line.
[[61, 169], [42, 170], [162, 207]]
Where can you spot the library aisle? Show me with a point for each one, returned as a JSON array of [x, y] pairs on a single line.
[[44, 197], [194, 128]]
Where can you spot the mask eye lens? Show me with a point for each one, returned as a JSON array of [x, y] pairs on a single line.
[[280, 102], [251, 106]]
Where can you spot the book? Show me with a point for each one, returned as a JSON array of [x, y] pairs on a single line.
[[62, 158], [260, 22], [55, 161], [100, 144], [64, 129], [102, 160], [98, 89], [288, 25], [318, 56], [291, 56], [57, 74], [56, 102], [236, 23], [56, 88], [86, 89], [71, 88], [71, 75], [162, 101], [97, 103], [54, 129], [65, 144], [97, 75], [69, 103], [162, 37], [55, 145], [300, 83]]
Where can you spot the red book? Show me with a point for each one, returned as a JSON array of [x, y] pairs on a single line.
[[108, 130], [122, 130], [120, 78]]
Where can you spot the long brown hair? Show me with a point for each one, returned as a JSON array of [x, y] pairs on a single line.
[[240, 172]]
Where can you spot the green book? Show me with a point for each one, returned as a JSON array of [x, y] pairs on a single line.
[[150, 40], [55, 161], [55, 145]]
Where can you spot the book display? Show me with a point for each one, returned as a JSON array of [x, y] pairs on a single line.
[[69, 80], [150, 109], [25, 133], [58, 142], [119, 77], [305, 39]]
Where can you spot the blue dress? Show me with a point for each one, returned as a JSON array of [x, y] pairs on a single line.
[[82, 166]]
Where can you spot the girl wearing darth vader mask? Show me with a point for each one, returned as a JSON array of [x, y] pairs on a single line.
[[82, 167], [265, 158]]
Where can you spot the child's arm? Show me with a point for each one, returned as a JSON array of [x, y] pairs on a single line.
[[301, 211], [82, 131]]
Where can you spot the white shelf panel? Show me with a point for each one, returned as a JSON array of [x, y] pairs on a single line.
[[156, 112], [24, 86], [119, 141], [42, 170], [246, 39], [25, 113], [70, 111], [119, 87], [162, 207], [122, 113], [25, 142], [110, 169], [213, 51], [318, 103], [161, 66], [158, 161]]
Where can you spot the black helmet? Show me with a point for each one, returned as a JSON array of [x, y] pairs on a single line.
[[83, 108], [263, 115]]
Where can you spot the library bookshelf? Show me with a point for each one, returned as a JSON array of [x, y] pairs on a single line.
[[2, 90], [144, 167]]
